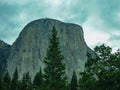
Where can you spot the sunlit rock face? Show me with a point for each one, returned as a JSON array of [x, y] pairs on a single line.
[[29, 50]]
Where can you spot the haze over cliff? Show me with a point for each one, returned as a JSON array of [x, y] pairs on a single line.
[[28, 51]]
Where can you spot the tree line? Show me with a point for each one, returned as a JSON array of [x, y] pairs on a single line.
[[102, 71]]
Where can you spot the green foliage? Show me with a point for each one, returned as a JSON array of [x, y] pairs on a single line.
[[26, 83], [7, 80], [55, 78], [103, 71], [74, 82], [87, 82], [14, 81], [2, 86], [38, 80]]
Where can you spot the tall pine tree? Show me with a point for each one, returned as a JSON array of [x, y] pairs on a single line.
[[26, 82], [7, 80], [14, 81], [2, 86], [74, 82], [38, 80], [55, 78]]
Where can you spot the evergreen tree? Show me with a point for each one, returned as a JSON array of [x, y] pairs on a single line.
[[14, 81], [55, 78], [68, 86], [7, 80], [74, 82], [26, 82], [103, 71], [2, 86], [87, 81], [38, 80]]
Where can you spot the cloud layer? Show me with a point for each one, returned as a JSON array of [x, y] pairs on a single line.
[[99, 18]]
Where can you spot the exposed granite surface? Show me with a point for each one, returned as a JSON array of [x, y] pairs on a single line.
[[29, 49]]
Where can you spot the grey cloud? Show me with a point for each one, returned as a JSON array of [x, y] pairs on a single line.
[[114, 40], [7, 21], [70, 11], [11, 24], [107, 9]]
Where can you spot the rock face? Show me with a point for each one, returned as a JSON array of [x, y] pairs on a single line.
[[4, 53], [29, 50]]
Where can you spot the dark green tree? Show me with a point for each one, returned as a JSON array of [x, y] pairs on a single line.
[[103, 71], [74, 82], [14, 81], [7, 80], [55, 77], [87, 81], [26, 83], [2, 86], [38, 80]]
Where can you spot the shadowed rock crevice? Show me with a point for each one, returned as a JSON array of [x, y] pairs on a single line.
[[4, 53]]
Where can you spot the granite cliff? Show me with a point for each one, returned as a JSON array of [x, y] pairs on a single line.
[[29, 49]]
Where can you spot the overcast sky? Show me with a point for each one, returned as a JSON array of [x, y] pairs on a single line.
[[100, 19]]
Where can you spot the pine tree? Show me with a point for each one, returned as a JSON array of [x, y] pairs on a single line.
[[87, 82], [7, 80], [74, 82], [14, 81], [54, 75], [26, 82], [2, 86], [38, 80]]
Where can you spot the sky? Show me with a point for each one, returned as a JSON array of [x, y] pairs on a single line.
[[100, 19]]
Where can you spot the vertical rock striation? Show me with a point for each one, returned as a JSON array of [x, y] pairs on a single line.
[[29, 50]]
